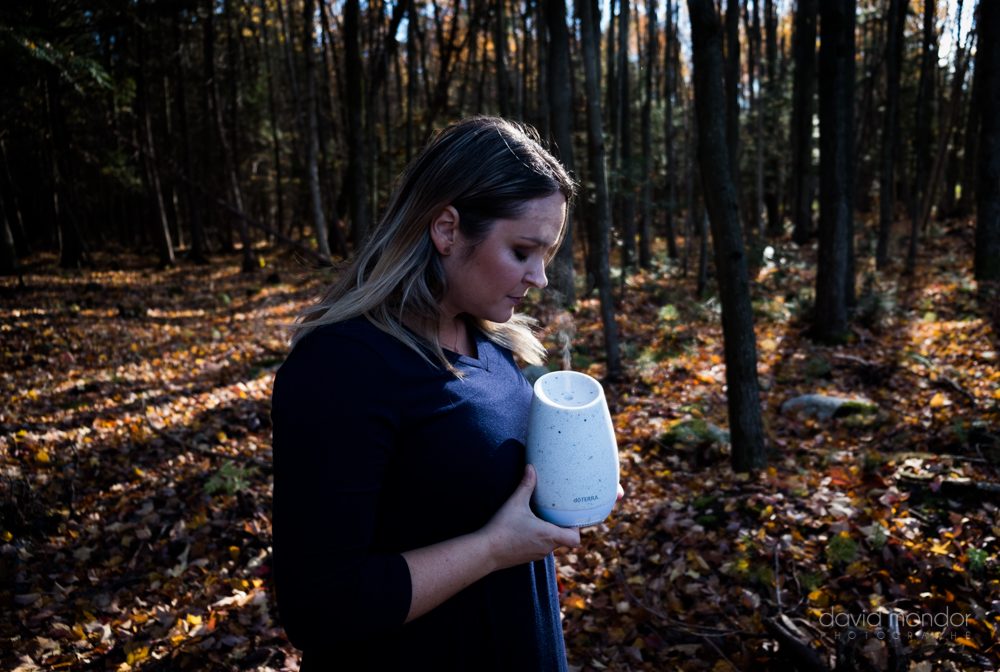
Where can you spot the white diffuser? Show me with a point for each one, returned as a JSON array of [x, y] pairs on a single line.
[[571, 443]]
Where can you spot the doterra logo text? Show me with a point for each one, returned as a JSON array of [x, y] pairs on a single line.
[[589, 498]]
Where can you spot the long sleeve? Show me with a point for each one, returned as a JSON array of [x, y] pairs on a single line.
[[333, 437]]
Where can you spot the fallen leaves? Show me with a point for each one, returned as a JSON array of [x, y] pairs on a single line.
[[136, 494]]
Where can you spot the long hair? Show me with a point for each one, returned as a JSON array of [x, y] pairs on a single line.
[[487, 168]]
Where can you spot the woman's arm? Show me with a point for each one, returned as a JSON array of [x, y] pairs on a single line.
[[512, 537]]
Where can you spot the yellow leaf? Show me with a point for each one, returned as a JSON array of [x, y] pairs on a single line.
[[42, 456], [7, 535], [234, 553], [137, 655], [576, 602], [940, 549], [938, 400], [221, 436], [138, 472], [965, 641], [193, 619], [819, 597]]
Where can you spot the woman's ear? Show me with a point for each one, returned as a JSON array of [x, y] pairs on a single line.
[[444, 230]]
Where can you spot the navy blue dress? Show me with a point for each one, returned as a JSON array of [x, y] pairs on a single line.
[[377, 452]]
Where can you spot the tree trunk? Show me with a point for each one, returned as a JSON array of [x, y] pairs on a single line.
[[194, 204], [970, 164], [627, 184], [541, 93], [754, 227], [500, 49], [610, 85], [924, 106], [864, 146], [746, 428], [12, 206], [775, 130], [646, 224], [670, 88], [232, 178], [836, 118], [272, 109], [732, 90], [932, 178], [338, 244], [360, 221], [561, 110], [692, 182], [411, 76], [150, 172], [595, 145], [312, 139], [890, 128], [72, 249], [8, 253], [987, 260]]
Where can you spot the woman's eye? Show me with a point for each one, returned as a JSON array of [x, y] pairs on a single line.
[[520, 256]]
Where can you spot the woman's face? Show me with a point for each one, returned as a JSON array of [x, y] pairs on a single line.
[[492, 279]]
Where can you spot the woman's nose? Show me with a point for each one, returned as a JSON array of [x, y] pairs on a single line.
[[536, 276]]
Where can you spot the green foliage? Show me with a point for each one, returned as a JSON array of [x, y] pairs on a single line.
[[876, 304], [977, 559], [841, 550], [811, 581], [669, 314], [75, 68], [230, 479], [878, 538], [818, 367], [693, 432]]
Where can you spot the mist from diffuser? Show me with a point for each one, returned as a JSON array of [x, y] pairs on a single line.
[[571, 443]]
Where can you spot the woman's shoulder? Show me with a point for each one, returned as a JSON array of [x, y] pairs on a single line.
[[339, 348]]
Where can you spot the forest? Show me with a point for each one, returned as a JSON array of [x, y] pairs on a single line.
[[783, 264]]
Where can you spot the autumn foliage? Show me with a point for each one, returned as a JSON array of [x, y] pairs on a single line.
[[135, 473]]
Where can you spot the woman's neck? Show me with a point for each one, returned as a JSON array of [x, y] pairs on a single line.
[[455, 335]]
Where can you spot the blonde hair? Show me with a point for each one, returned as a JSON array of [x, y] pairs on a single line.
[[487, 168]]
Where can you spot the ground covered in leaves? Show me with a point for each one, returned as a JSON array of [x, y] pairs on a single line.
[[135, 481]]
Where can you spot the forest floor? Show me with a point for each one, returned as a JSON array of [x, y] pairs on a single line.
[[135, 485]]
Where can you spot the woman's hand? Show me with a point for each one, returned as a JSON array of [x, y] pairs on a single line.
[[516, 535]]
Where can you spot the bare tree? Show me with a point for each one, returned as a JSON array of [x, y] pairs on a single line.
[[890, 128], [561, 123], [312, 139], [602, 223], [360, 220], [646, 224], [803, 93], [742, 391], [836, 119], [987, 263]]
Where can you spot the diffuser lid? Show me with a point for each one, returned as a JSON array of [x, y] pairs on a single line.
[[570, 390]]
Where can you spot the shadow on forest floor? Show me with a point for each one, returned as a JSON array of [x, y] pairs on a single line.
[[135, 484]]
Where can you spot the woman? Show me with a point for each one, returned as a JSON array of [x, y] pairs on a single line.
[[403, 537]]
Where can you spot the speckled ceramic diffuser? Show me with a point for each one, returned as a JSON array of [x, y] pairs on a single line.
[[571, 442]]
